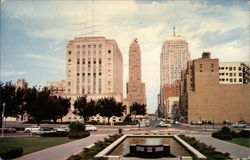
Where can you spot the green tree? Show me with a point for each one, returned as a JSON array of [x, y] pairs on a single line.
[[37, 104], [58, 107], [13, 100], [84, 108], [108, 107], [138, 109]]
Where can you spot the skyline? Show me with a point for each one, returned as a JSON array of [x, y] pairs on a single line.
[[221, 28]]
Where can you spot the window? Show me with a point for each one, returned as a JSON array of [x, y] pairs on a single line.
[[78, 61], [100, 46], [212, 65], [239, 68], [200, 70], [212, 70], [78, 46], [83, 61], [226, 68], [234, 74], [68, 90], [68, 83], [240, 80], [234, 68], [69, 52], [240, 74], [83, 46], [230, 74], [230, 68], [200, 65], [94, 46], [234, 79], [109, 83], [77, 74], [89, 46], [231, 79], [100, 74], [89, 74], [100, 61], [109, 51], [69, 60]]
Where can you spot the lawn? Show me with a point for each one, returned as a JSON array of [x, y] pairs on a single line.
[[32, 144], [241, 141]]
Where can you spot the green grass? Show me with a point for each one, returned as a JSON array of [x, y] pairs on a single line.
[[32, 144], [241, 141]]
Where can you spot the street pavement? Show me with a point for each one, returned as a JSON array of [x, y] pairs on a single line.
[[62, 152], [236, 151]]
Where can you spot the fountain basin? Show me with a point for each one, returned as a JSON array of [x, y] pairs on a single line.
[[178, 149]]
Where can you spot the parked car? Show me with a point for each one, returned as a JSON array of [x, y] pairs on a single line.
[[32, 128], [90, 128], [62, 129], [163, 124], [42, 130], [239, 125]]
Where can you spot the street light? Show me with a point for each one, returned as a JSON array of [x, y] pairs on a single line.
[[3, 119]]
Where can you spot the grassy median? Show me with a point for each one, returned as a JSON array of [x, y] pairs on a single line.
[[241, 141], [32, 144]]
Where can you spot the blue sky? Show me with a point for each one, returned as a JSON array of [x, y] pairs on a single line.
[[34, 34]]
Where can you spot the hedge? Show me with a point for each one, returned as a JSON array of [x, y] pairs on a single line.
[[77, 127], [89, 153], [11, 152], [55, 134], [78, 134], [206, 150]]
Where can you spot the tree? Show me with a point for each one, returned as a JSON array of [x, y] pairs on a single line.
[[84, 108], [138, 109], [108, 107], [37, 104], [58, 107], [12, 98]]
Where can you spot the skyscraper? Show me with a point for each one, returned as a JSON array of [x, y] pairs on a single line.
[[135, 87], [174, 58]]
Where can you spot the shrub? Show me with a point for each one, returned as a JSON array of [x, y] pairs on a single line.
[[11, 152], [225, 130], [223, 136], [89, 153], [19, 128], [235, 135], [55, 134], [244, 133], [77, 134], [77, 127]]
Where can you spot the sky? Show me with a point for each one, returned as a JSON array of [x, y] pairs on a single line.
[[34, 34]]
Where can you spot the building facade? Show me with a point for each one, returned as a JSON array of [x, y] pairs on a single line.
[[173, 59], [203, 98], [94, 67], [233, 72], [21, 83], [57, 87], [135, 87]]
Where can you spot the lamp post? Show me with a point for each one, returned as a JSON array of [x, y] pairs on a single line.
[[3, 119]]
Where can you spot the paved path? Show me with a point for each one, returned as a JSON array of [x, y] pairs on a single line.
[[62, 152], [236, 151]]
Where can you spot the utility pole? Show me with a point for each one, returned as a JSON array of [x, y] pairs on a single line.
[[3, 120]]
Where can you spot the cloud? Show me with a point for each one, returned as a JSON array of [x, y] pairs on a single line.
[[13, 73], [43, 57]]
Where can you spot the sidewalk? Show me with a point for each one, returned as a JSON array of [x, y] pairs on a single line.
[[62, 152], [236, 151]]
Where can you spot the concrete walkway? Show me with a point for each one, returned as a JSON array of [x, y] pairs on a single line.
[[62, 152], [236, 151]]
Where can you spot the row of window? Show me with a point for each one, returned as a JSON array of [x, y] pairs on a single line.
[[231, 79], [230, 68], [89, 46], [230, 74]]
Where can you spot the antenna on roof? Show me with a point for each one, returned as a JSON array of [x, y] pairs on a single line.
[[174, 30]]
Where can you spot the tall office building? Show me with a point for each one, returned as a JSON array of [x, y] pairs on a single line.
[[135, 87], [173, 59], [94, 67]]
